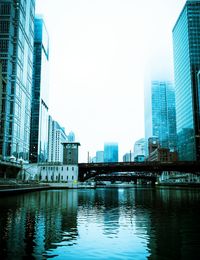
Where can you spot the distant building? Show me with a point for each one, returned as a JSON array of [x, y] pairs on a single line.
[[71, 137], [163, 155], [186, 46], [110, 152], [157, 153], [139, 158], [140, 147], [16, 57], [99, 156], [128, 157], [39, 104], [56, 136], [94, 159], [160, 115]]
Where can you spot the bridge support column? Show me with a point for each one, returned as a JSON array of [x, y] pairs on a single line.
[[5, 175], [153, 183]]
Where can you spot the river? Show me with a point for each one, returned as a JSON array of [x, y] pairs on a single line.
[[133, 223]]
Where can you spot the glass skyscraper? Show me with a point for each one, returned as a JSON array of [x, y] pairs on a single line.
[[39, 106], [186, 44], [160, 120], [16, 56], [110, 152]]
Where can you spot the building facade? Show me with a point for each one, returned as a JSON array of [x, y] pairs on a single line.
[[56, 136], [70, 153], [39, 104], [16, 56], [99, 156], [71, 137], [110, 152], [186, 45], [58, 173], [128, 157], [161, 121], [139, 147]]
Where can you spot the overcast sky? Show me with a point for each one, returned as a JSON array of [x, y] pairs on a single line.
[[100, 54]]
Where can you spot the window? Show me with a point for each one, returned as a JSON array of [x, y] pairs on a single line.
[[72, 168], [4, 45], [4, 26], [5, 9]]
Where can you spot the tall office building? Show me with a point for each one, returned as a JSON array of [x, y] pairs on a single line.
[[160, 121], [186, 44], [71, 137], [39, 104], [16, 56], [139, 147], [56, 136], [110, 152]]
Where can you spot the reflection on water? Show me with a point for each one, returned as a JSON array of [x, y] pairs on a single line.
[[101, 224]]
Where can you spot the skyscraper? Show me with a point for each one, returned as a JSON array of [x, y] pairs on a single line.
[[71, 137], [139, 147], [16, 56], [110, 152], [39, 104], [160, 121], [56, 136], [186, 44]]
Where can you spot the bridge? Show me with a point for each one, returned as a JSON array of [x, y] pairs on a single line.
[[90, 170], [9, 169]]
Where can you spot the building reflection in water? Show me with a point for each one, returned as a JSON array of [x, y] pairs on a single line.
[[32, 223], [135, 223], [173, 222]]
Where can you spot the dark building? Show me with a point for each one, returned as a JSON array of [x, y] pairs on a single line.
[[153, 144], [186, 44], [39, 104], [163, 155], [16, 57], [70, 153], [2, 87]]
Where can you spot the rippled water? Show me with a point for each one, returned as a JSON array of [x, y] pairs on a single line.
[[136, 223]]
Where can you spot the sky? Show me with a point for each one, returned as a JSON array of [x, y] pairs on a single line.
[[101, 51]]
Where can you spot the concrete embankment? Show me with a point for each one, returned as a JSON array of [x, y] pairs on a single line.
[[18, 189], [7, 189]]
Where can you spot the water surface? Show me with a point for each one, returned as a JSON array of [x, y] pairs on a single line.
[[136, 223]]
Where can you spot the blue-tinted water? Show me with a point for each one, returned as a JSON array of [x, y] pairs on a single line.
[[136, 223]]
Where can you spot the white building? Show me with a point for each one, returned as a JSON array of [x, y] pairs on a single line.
[[58, 173], [56, 137], [140, 147]]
